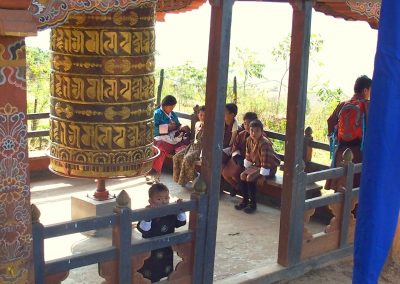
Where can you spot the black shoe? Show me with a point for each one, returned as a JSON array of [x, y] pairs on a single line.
[[240, 206], [250, 209], [232, 192]]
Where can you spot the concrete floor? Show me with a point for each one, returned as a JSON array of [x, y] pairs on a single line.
[[244, 242]]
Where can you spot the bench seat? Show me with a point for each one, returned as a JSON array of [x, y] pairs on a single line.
[[273, 187]]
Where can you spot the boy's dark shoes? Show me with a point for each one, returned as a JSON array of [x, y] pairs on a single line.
[[240, 206], [250, 209]]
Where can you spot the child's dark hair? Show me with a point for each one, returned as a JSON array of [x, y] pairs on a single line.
[[232, 108], [250, 116], [361, 83], [168, 101], [202, 108], [256, 124], [157, 187]]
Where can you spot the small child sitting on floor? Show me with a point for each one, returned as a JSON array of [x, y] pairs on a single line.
[[160, 262]]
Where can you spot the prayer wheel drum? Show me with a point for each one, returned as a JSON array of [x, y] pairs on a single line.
[[102, 94]]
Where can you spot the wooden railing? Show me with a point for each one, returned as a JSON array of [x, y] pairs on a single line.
[[339, 233], [46, 115], [120, 262]]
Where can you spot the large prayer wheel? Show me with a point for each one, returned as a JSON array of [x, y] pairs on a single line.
[[102, 94]]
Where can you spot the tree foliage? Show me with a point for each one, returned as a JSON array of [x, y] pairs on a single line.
[[281, 53], [246, 65]]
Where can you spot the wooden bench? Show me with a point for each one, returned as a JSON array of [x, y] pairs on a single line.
[[272, 187]]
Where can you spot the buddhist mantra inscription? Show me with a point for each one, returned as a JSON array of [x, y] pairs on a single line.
[[102, 94]]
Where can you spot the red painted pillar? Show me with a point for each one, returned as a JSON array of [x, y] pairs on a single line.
[[16, 265]]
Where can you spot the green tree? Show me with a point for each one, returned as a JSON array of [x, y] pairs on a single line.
[[187, 83], [38, 92], [38, 79], [281, 53], [246, 65]]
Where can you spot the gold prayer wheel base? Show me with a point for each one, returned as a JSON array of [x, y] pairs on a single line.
[[99, 171], [104, 171]]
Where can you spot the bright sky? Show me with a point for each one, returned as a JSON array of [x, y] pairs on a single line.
[[349, 47]]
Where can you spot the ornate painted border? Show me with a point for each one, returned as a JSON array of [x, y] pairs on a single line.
[[15, 221], [50, 13], [12, 64], [369, 8]]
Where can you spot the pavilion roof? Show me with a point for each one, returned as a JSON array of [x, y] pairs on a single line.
[[352, 10], [50, 13]]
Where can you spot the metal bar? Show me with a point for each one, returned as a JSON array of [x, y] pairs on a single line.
[[45, 133], [38, 133], [199, 241], [297, 229], [38, 252], [160, 86], [357, 168], [150, 213], [325, 174], [160, 242], [183, 115], [356, 191], [276, 135], [320, 167], [83, 259], [319, 145], [41, 115], [124, 255], [347, 204], [290, 237], [216, 87], [77, 226], [323, 200]]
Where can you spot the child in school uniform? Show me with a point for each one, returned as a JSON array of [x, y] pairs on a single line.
[[231, 129], [232, 170], [261, 162], [160, 263]]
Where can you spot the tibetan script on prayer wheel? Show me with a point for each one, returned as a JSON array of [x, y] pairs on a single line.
[[102, 94]]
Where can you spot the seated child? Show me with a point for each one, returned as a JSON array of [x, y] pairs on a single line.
[[261, 161], [232, 170], [183, 162], [160, 263], [230, 130]]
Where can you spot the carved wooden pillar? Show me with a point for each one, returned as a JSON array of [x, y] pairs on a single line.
[[15, 213]]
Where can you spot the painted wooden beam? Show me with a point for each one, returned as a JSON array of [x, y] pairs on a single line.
[[293, 195], [216, 86]]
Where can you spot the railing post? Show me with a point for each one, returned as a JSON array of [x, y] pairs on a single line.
[[38, 245], [290, 236], [197, 224], [122, 236], [348, 193], [193, 120], [235, 97], [307, 149], [159, 89]]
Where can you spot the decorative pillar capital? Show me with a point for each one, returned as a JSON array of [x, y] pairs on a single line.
[[16, 20]]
